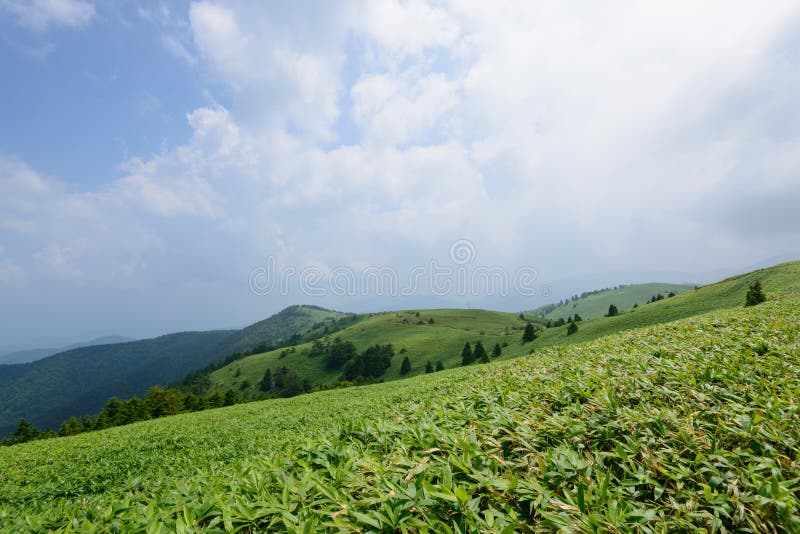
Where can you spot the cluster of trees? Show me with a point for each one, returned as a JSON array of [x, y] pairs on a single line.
[[479, 354], [283, 383], [372, 363], [158, 402], [561, 322], [660, 296], [429, 368], [339, 354]]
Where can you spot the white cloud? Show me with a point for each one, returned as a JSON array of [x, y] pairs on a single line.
[[407, 28], [396, 110], [577, 138], [40, 15]]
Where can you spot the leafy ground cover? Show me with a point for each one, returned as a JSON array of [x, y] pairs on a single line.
[[686, 426]]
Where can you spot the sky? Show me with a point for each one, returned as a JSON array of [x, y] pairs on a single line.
[[170, 166]]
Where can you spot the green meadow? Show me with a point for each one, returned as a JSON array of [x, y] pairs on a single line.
[[677, 425]]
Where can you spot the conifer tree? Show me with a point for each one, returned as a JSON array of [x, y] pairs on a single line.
[[480, 353], [572, 328], [466, 355], [754, 294], [529, 334]]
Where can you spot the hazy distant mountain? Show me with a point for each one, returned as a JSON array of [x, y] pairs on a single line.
[[31, 355]]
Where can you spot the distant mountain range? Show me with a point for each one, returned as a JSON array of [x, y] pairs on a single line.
[[31, 355]]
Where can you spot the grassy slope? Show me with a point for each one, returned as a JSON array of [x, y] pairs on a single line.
[[452, 328], [673, 427], [442, 340], [624, 298], [729, 293]]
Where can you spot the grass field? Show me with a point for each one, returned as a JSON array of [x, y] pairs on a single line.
[[624, 298], [692, 425], [778, 280], [442, 340]]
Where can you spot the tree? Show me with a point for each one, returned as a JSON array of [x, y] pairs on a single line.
[[405, 367], [428, 368], [577, 318], [439, 366], [480, 353], [25, 432], [339, 352], [529, 334], [521, 316], [754, 294], [572, 328], [496, 351], [466, 354], [612, 311], [266, 382]]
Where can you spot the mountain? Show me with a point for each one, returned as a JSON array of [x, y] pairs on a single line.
[[79, 381], [594, 304], [31, 355], [690, 425]]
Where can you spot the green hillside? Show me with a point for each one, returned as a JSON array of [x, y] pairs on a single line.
[[80, 381], [445, 337], [778, 281], [687, 426], [596, 305], [412, 334]]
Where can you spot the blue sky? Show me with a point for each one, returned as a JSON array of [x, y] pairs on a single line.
[[154, 155]]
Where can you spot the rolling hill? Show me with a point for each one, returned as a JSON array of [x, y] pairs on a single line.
[[688, 425], [422, 336], [80, 381], [445, 337], [596, 304], [778, 281]]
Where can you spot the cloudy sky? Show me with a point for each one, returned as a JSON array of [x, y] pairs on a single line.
[[154, 155]]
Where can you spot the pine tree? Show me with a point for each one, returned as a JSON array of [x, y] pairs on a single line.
[[480, 353], [754, 294], [266, 382], [529, 334], [428, 367], [572, 328], [497, 351], [612, 311], [466, 355], [439, 366], [405, 367]]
